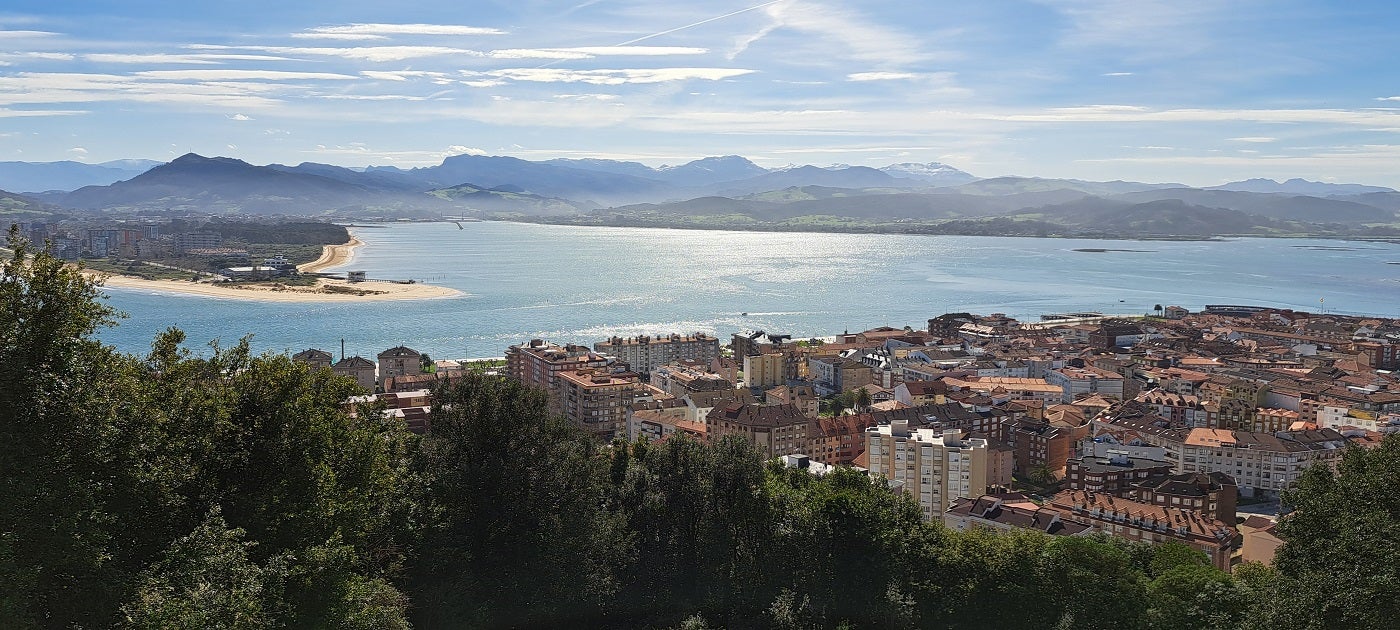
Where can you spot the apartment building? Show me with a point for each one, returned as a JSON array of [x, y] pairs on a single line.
[[777, 430], [933, 466], [646, 353], [599, 401], [765, 370], [539, 363], [1076, 381], [399, 361]]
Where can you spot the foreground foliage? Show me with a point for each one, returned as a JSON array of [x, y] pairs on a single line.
[[232, 491]]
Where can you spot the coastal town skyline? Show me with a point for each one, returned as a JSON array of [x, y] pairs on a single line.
[[1145, 91]]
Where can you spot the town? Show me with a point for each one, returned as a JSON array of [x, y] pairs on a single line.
[[1174, 426]]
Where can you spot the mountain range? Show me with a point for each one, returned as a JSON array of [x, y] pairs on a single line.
[[714, 191]]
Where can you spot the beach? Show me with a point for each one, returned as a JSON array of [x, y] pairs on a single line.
[[332, 256], [324, 291]]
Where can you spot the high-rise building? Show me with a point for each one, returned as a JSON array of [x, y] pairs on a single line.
[[933, 466]]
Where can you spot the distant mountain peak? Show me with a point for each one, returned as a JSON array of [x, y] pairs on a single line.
[[936, 173], [1298, 186]]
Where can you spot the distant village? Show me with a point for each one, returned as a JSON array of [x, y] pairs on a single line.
[[1176, 426]]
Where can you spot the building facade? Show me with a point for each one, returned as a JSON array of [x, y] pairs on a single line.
[[933, 466]]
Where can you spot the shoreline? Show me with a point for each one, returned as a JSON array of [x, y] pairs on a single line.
[[333, 256], [1216, 238], [324, 291]]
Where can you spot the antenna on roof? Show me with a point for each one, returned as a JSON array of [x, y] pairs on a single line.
[[342, 348]]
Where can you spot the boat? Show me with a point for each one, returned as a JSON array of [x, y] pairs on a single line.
[[459, 225]]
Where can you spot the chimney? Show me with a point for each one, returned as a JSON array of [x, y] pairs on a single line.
[[899, 428]]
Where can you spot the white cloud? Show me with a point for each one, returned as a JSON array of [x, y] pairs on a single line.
[[364, 31], [1388, 98], [856, 37], [242, 75], [194, 59], [401, 75], [1118, 74], [79, 151], [588, 52], [35, 113], [1254, 139], [613, 77], [881, 76], [240, 117], [1166, 27], [363, 53], [587, 97], [45, 56], [25, 34]]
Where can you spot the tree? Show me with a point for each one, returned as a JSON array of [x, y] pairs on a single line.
[[60, 397], [517, 531], [204, 580], [862, 401], [111, 465], [1341, 537], [1158, 309]]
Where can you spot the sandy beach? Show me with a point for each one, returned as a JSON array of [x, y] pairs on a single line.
[[324, 291], [332, 256]]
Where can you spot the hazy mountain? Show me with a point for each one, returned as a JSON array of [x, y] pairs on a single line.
[[616, 167], [1014, 185], [68, 175], [381, 179], [222, 185], [1277, 206], [932, 173], [1298, 186], [701, 172], [848, 177], [504, 199], [1384, 200], [549, 180], [1166, 217]]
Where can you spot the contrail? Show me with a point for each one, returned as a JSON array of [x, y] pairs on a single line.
[[706, 21], [678, 28]]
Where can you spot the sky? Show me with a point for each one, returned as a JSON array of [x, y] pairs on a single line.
[[1199, 93]]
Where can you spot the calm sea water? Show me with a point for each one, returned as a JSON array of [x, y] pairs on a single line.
[[583, 284]]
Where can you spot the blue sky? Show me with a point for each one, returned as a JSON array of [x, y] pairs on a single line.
[[1148, 90]]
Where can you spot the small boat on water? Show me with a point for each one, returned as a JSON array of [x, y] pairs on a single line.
[[459, 225]]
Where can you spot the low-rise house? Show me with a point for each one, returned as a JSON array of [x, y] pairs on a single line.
[[314, 358]]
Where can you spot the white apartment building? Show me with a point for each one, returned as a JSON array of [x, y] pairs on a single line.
[[935, 467], [646, 353]]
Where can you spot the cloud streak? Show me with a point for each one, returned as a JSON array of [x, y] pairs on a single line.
[[383, 31]]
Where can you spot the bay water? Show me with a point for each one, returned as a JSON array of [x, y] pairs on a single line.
[[585, 284]]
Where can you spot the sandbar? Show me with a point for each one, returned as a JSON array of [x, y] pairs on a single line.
[[332, 256], [324, 291]]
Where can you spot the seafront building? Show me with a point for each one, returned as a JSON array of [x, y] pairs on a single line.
[[646, 353]]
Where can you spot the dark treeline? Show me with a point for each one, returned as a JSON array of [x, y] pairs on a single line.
[[287, 233], [231, 491]]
